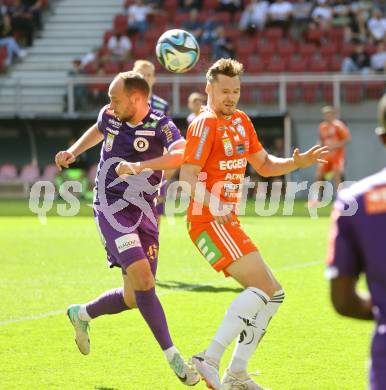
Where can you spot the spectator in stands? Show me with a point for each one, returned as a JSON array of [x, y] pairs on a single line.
[[322, 14], [209, 34], [137, 14], [359, 61], [378, 59], [13, 49], [254, 16], [195, 101], [231, 6], [280, 14], [301, 17], [193, 24], [377, 25], [35, 7], [119, 47], [80, 90], [22, 21], [340, 11], [222, 45], [91, 58], [356, 27], [187, 5]]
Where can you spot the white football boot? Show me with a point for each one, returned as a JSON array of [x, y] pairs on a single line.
[[208, 370], [81, 329], [232, 382]]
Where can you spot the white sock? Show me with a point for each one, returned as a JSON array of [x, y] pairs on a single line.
[[170, 352], [252, 334], [83, 315], [241, 311]]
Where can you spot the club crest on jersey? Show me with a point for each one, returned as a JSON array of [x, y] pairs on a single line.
[[241, 130], [228, 148], [236, 121], [109, 142], [141, 144]]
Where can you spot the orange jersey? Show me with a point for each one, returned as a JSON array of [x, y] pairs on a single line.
[[332, 133], [220, 147]]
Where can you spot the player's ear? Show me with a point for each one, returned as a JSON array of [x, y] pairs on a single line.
[[208, 88]]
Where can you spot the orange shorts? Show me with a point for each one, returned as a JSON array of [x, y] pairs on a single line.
[[334, 165], [221, 245]]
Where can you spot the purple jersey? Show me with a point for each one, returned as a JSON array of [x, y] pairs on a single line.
[[123, 141], [159, 104], [358, 243]]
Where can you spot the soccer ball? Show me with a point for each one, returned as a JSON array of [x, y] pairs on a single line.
[[177, 51]]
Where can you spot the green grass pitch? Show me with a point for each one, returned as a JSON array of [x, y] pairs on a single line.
[[46, 268]]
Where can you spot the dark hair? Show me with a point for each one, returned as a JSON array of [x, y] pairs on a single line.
[[225, 66], [134, 81]]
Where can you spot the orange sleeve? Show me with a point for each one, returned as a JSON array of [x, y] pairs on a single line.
[[254, 142], [343, 131], [199, 141]]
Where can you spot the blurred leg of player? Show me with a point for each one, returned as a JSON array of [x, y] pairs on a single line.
[[230, 250], [321, 171]]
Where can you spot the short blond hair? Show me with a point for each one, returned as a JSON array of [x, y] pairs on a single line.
[[140, 63], [134, 81], [326, 109], [196, 96], [225, 66]]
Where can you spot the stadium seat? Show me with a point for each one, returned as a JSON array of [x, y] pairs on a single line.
[[307, 50], [292, 92], [336, 34], [297, 65], [273, 34], [276, 65], [254, 66], [347, 50], [318, 65], [244, 50], [223, 18], [328, 49], [268, 93], [8, 172], [265, 49], [210, 5], [247, 92], [234, 34], [335, 64], [143, 51], [286, 49], [375, 90], [314, 35], [310, 91], [181, 18], [120, 23], [111, 67], [29, 173], [352, 92], [107, 35], [327, 90]]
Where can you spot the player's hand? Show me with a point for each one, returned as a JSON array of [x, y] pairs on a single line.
[[63, 159], [223, 219], [310, 157], [128, 168]]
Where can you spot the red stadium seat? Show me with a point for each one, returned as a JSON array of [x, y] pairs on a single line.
[[127, 66], [120, 23], [318, 65], [245, 50], [292, 92], [90, 69], [347, 49], [352, 92], [273, 34], [276, 65], [286, 49], [268, 93], [254, 67], [210, 5], [265, 49], [307, 50], [335, 64], [234, 34], [247, 92], [297, 65], [222, 17], [107, 35], [336, 34], [328, 96], [111, 67], [310, 91], [375, 90], [181, 18], [3, 52], [328, 49], [143, 51]]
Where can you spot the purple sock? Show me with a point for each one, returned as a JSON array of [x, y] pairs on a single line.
[[153, 313], [110, 302]]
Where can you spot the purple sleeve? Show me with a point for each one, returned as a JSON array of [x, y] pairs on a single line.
[[344, 256], [168, 133]]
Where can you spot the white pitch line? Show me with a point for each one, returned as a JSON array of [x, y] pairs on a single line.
[[173, 291]]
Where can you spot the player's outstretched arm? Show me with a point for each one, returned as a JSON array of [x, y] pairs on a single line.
[[171, 160], [347, 301], [268, 165], [89, 139]]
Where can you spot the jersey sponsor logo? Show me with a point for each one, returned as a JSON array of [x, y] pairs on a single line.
[[141, 144], [115, 132], [240, 149], [208, 248], [232, 186], [150, 133], [241, 130], [234, 176], [166, 129], [228, 148], [236, 121], [127, 241], [232, 164], [155, 117], [113, 122], [375, 201], [150, 124], [109, 142], [232, 129], [200, 146]]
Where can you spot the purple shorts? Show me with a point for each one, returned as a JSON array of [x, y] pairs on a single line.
[[378, 359], [137, 243]]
